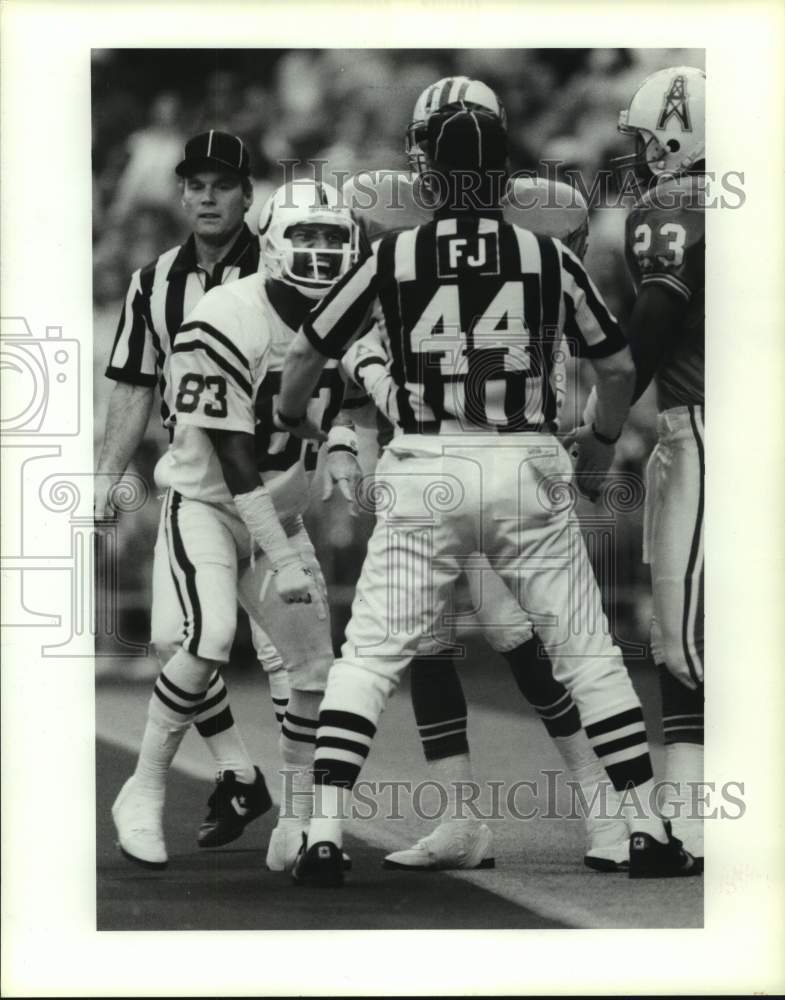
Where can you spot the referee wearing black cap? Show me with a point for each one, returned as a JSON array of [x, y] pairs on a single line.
[[215, 195]]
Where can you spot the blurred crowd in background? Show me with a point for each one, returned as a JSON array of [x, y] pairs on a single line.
[[349, 108]]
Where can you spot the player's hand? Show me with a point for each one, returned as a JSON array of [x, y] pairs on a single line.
[[593, 459], [343, 470], [102, 504], [305, 428], [295, 583]]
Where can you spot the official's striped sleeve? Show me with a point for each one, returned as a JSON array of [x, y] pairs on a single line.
[[133, 356], [343, 312], [212, 378], [590, 328]]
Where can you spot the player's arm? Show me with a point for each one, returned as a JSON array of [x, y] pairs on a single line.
[[655, 321], [133, 368], [326, 333], [593, 334]]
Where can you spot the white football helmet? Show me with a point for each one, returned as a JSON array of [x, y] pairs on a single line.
[[667, 115], [302, 203], [445, 91]]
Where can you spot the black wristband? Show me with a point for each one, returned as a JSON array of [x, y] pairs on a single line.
[[601, 437], [287, 421]]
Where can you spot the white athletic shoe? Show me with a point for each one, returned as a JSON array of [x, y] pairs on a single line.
[[285, 843], [138, 817], [609, 845], [452, 845]]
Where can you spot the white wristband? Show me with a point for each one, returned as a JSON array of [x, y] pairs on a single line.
[[259, 516], [342, 439]]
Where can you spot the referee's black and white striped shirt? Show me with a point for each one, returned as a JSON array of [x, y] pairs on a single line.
[[476, 311], [159, 296]]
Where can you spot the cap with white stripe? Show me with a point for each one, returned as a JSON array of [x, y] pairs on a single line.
[[214, 149]]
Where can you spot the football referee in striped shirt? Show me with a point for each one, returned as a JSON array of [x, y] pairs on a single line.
[[215, 193]]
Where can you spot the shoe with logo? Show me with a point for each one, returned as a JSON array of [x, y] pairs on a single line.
[[138, 818], [609, 845], [231, 807], [320, 865], [651, 859], [286, 843], [451, 846]]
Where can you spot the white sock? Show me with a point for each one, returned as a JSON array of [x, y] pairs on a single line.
[[330, 809], [229, 753], [451, 773], [159, 746], [301, 720], [639, 809], [584, 766], [684, 767]]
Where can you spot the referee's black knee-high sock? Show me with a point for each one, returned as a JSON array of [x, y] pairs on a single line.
[[682, 710], [533, 674], [439, 707]]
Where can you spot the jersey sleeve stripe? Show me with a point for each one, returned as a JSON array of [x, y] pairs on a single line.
[[207, 328], [599, 310], [669, 281], [130, 377], [199, 345], [551, 282], [343, 311]]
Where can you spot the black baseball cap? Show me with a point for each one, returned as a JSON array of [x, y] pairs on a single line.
[[466, 137], [214, 149]]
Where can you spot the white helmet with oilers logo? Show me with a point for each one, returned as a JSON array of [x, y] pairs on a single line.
[[311, 265], [446, 91], [667, 116]]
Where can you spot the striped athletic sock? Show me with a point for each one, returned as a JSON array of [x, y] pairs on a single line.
[[551, 700], [298, 742], [279, 693], [682, 710], [343, 741], [177, 693], [621, 744], [439, 707], [215, 724]]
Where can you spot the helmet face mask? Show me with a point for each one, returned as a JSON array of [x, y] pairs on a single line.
[[666, 116], [291, 214], [449, 90]]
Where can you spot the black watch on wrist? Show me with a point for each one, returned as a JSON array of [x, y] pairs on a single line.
[[602, 438]]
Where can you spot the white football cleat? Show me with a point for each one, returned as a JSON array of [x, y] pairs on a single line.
[[285, 843], [453, 845], [609, 845], [138, 817]]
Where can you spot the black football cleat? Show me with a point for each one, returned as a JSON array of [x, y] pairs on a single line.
[[231, 807], [651, 859], [321, 865]]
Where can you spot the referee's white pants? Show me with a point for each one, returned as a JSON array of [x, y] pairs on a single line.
[[673, 542], [501, 497], [200, 573]]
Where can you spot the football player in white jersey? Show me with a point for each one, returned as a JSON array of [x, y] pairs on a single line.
[[232, 526], [388, 201]]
